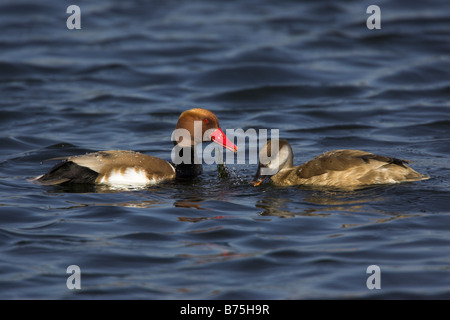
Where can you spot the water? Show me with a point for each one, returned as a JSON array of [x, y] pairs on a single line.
[[313, 70]]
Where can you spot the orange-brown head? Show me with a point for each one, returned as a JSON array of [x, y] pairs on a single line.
[[200, 125]]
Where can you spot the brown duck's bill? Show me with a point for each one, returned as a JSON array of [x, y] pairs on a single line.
[[257, 182], [220, 138], [258, 179]]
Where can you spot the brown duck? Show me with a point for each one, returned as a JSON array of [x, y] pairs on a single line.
[[343, 169]]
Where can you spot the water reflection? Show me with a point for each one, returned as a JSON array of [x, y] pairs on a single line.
[[209, 197], [91, 188], [194, 194], [192, 203], [324, 203], [211, 252], [313, 203]]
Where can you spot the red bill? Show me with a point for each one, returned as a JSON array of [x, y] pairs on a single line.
[[220, 138]]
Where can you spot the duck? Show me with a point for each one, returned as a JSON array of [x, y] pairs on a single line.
[[341, 169], [131, 168]]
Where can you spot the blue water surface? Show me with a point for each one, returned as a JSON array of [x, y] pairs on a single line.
[[312, 70]]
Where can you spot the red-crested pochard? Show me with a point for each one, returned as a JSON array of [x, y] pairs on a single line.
[[118, 167], [342, 169]]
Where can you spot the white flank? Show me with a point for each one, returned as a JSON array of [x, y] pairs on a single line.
[[131, 177]]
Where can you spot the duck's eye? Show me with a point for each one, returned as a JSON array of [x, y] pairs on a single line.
[[205, 120]]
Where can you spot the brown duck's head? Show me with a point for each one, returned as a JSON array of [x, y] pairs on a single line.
[[273, 157], [197, 125]]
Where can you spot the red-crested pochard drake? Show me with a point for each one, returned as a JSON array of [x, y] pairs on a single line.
[[118, 167], [342, 169]]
